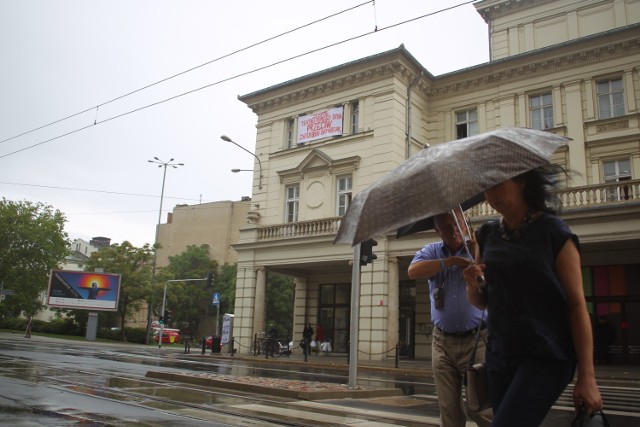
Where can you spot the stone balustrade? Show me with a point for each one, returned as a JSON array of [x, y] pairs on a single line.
[[585, 197]]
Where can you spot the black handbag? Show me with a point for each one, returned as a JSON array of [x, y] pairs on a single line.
[[598, 419], [476, 380]]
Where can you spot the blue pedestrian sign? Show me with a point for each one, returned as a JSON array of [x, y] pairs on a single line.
[[216, 298]]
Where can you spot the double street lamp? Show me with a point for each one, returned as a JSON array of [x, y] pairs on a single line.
[[227, 139], [160, 164]]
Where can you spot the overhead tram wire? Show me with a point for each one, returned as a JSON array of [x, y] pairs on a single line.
[[96, 191], [375, 31], [180, 74]]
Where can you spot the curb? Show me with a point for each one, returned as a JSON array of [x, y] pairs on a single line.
[[274, 391]]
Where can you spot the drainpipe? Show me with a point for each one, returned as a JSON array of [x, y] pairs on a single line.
[[411, 85]]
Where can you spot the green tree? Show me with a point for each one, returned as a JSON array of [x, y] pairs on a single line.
[[187, 301], [135, 268], [279, 304], [32, 242]]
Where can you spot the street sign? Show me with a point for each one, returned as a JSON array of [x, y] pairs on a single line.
[[7, 292], [216, 298]]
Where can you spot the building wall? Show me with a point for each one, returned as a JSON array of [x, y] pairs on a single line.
[[216, 224], [562, 63], [519, 27]]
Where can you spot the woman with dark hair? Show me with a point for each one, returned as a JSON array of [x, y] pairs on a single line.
[[539, 327]]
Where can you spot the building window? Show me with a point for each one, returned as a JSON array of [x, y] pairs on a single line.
[[617, 171], [610, 98], [541, 110], [345, 184], [293, 196], [291, 133], [334, 314], [355, 114], [466, 123]]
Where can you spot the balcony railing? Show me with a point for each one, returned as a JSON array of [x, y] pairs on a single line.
[[589, 196], [318, 227]]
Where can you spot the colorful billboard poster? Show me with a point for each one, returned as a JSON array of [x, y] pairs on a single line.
[[320, 125], [83, 290]]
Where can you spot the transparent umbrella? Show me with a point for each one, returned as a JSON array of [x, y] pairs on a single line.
[[441, 177]]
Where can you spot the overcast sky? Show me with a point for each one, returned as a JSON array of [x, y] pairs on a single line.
[[64, 58]]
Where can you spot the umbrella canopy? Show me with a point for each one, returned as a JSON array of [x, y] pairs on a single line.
[[440, 177], [429, 222]]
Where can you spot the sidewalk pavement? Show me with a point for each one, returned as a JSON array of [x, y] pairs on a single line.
[[622, 374]]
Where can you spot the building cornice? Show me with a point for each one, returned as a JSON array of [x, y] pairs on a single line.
[[531, 65], [338, 85], [492, 9]]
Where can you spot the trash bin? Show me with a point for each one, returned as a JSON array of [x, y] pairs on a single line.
[[215, 344]]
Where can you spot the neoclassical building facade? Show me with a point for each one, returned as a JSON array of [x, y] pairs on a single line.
[[566, 66]]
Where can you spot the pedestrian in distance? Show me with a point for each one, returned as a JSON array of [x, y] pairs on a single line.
[[456, 321], [307, 335], [27, 332], [538, 323]]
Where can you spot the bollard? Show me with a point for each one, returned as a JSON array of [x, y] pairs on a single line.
[[204, 344], [305, 349], [187, 345], [397, 354], [232, 343]]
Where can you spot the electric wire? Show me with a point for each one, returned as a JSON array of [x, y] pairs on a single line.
[[95, 191], [227, 55], [243, 74]]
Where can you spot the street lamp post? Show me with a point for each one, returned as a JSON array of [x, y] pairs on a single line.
[[160, 164], [227, 139]]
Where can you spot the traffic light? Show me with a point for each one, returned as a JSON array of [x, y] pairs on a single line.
[[366, 251], [209, 279], [161, 319], [167, 316]]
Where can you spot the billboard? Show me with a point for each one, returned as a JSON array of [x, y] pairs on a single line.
[[320, 125], [83, 290]]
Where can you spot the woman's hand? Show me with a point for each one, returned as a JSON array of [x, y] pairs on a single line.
[[586, 396], [475, 287]]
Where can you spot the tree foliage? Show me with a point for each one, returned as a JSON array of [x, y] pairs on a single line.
[[188, 301], [135, 268], [32, 242], [279, 306]]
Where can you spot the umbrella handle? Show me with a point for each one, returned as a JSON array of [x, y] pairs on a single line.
[[482, 283]]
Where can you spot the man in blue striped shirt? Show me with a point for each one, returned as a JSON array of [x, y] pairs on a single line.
[[455, 320]]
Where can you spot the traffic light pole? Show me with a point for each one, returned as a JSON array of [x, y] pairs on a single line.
[[355, 318]]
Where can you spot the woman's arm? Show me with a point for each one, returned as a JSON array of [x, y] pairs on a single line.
[[585, 392], [475, 294]]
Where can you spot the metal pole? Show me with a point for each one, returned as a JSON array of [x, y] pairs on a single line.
[[160, 163], [164, 300], [355, 318]]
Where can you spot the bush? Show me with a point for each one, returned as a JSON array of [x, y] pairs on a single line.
[[60, 327], [134, 335], [14, 323]]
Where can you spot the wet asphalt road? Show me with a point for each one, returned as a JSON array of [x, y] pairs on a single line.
[[53, 382]]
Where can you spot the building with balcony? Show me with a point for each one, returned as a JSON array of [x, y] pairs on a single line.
[[566, 66]]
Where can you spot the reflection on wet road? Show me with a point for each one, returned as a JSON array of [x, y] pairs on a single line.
[[61, 383]]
